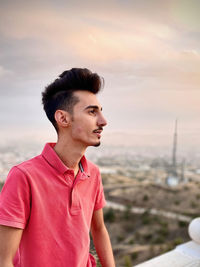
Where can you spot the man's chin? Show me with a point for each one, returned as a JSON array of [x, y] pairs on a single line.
[[97, 144]]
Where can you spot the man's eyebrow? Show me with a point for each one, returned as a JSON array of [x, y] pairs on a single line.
[[94, 106]]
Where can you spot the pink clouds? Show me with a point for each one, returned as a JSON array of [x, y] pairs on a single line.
[[148, 52]]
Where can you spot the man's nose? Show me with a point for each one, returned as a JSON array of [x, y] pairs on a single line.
[[102, 121]]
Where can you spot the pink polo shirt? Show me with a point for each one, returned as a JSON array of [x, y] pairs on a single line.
[[55, 210]]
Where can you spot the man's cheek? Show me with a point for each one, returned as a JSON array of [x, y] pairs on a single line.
[[79, 130]]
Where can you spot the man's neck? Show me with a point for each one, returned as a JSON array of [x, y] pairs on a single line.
[[69, 154]]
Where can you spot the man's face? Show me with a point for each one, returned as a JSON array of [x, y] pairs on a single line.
[[87, 121]]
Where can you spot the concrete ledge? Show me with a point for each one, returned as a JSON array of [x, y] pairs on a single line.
[[187, 254]]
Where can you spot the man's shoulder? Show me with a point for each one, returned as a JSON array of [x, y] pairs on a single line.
[[92, 166], [20, 172], [29, 164]]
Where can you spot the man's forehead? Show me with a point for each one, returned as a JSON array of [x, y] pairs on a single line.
[[87, 98]]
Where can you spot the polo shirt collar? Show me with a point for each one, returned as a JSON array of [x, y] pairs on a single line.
[[83, 166], [53, 159]]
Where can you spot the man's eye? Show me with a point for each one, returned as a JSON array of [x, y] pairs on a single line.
[[92, 112]]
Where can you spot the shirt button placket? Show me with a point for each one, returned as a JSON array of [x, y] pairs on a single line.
[[75, 201]]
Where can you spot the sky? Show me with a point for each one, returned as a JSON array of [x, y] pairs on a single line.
[[148, 52]]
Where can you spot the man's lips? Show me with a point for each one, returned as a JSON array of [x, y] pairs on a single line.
[[98, 132]]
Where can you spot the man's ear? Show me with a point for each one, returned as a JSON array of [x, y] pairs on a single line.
[[62, 118]]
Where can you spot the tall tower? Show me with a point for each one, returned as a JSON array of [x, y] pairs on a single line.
[[174, 163], [172, 178]]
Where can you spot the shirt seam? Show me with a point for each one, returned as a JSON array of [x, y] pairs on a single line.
[[25, 173]]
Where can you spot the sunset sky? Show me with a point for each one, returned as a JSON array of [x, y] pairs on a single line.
[[148, 52]]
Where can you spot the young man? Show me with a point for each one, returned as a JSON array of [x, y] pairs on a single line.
[[50, 203]]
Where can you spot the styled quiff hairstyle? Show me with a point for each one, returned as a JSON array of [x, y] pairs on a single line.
[[59, 94]]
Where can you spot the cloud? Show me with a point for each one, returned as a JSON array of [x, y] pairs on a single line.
[[147, 51], [4, 72], [122, 33]]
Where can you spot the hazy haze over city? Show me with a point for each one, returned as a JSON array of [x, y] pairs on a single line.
[[147, 51]]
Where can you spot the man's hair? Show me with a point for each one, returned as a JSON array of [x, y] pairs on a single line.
[[59, 94]]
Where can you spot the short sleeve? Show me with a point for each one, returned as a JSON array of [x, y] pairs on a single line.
[[100, 198], [15, 200]]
